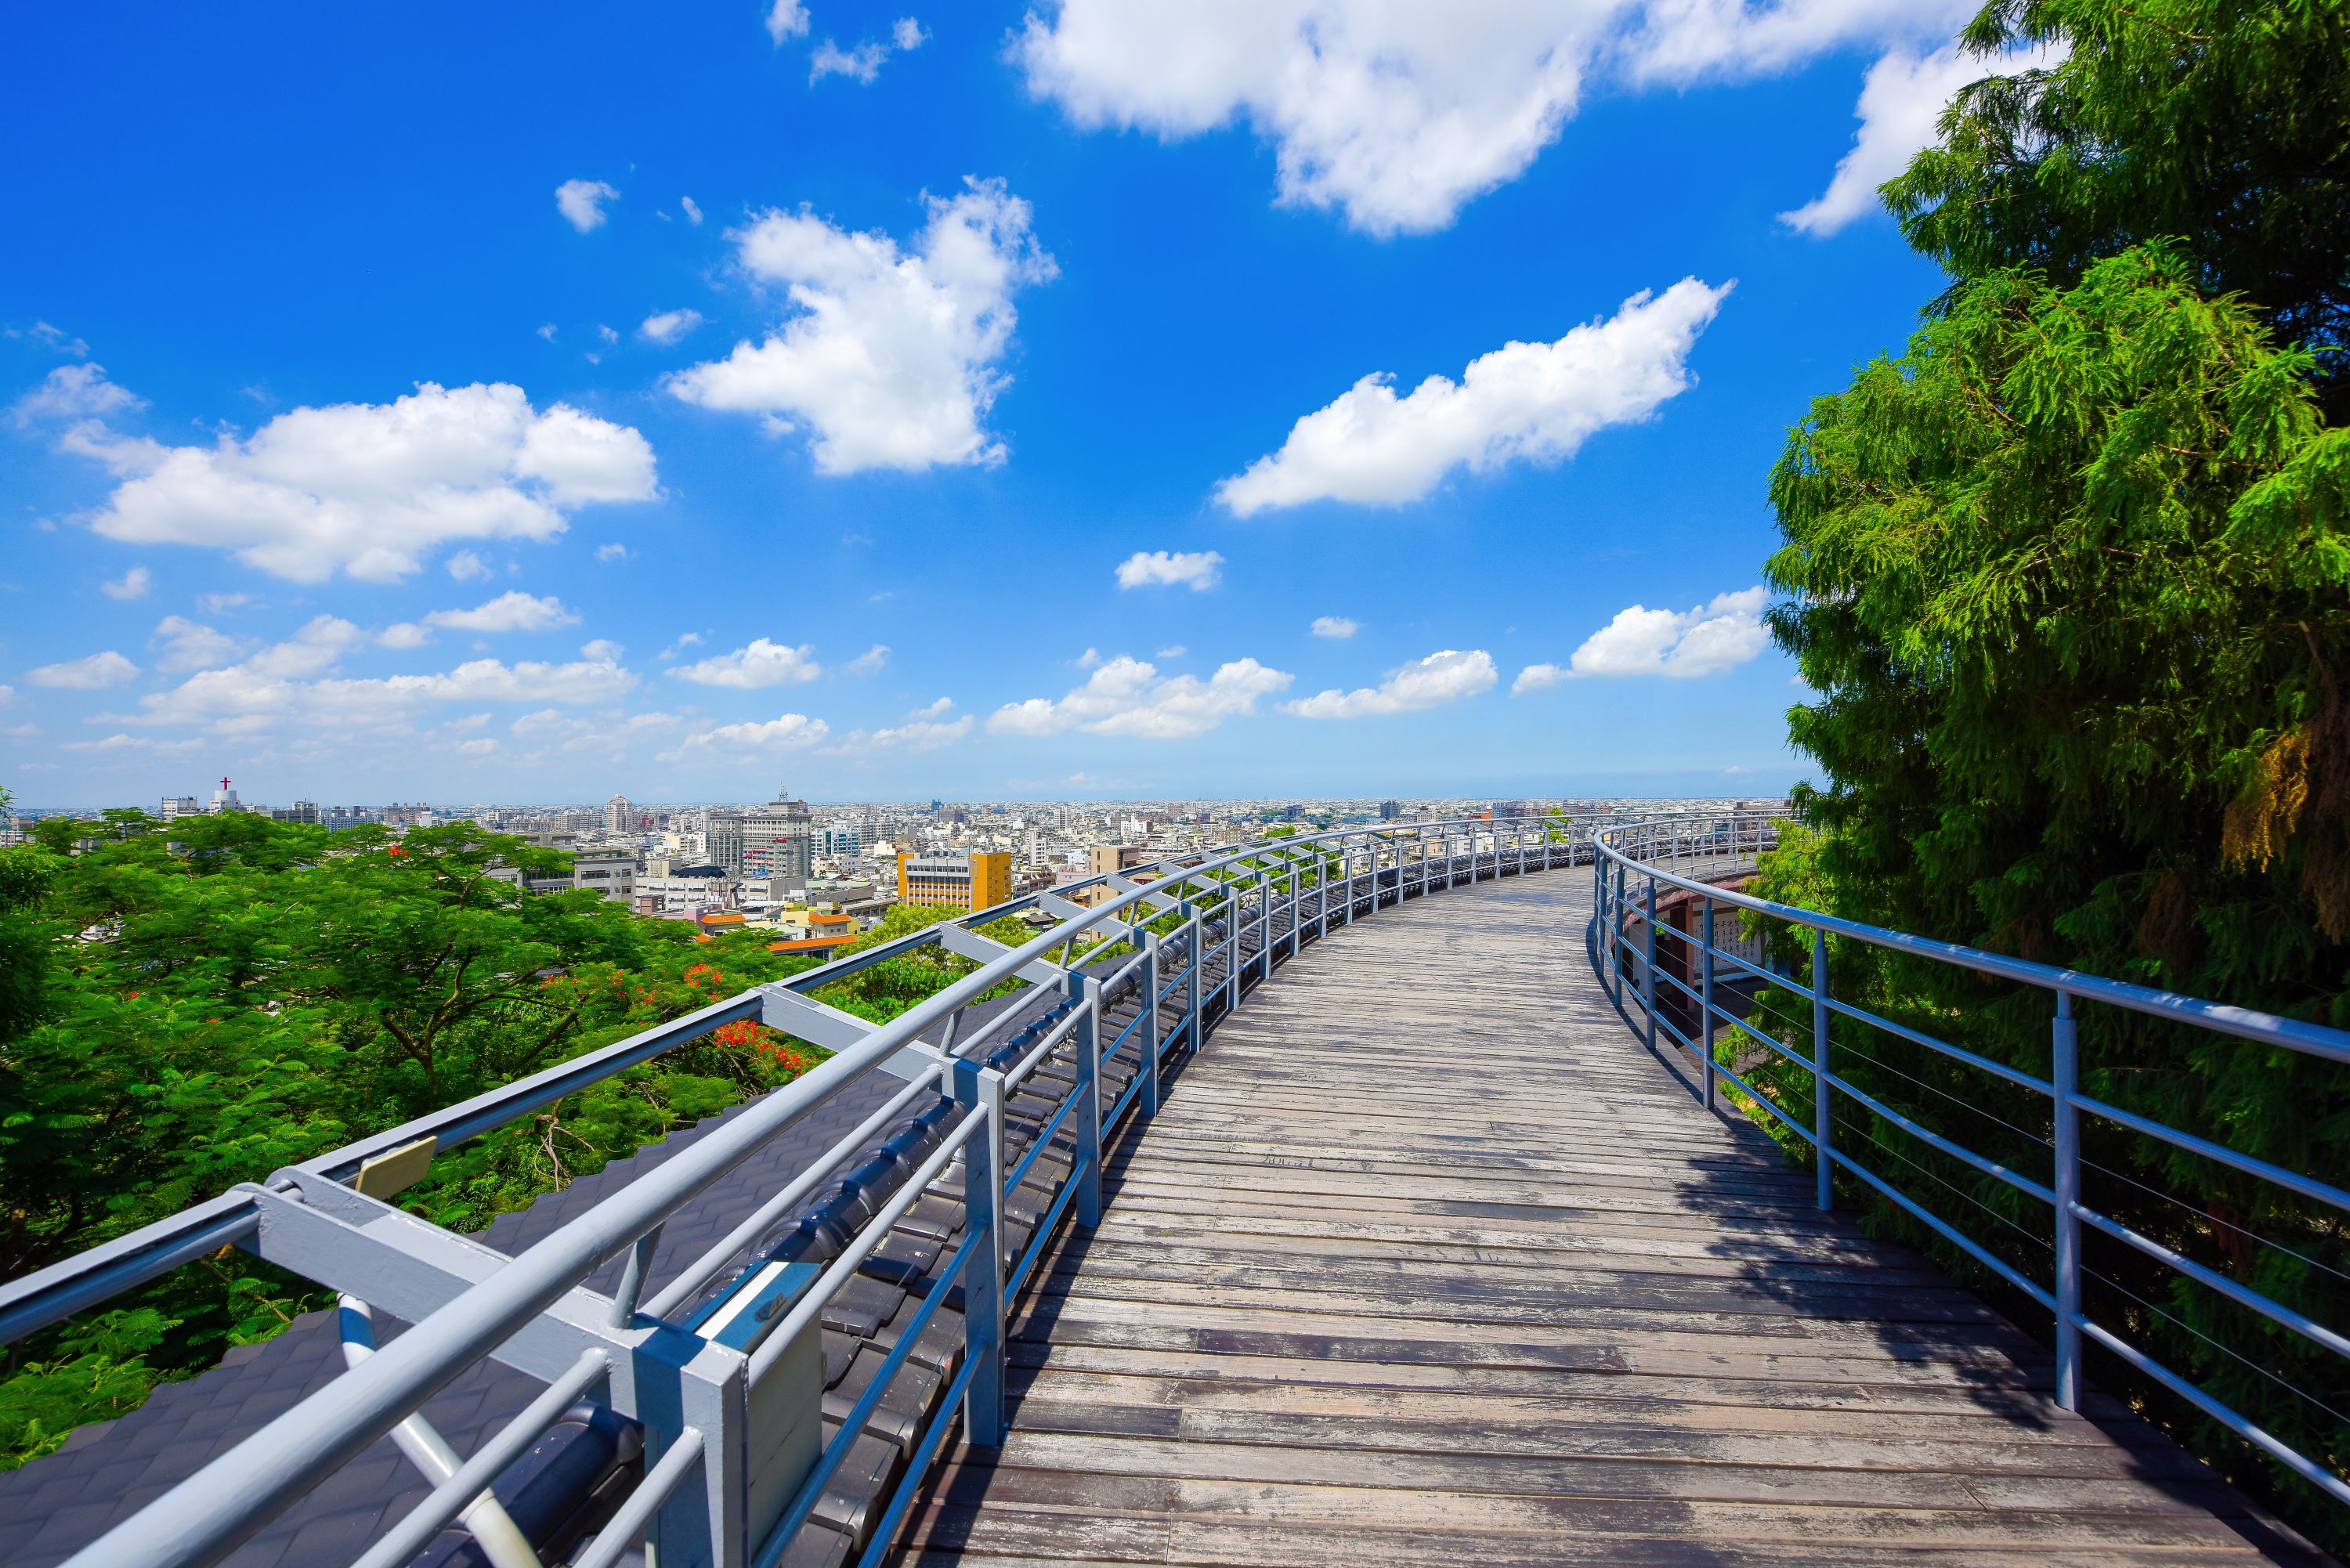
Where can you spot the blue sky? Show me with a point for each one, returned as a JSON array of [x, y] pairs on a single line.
[[382, 422]]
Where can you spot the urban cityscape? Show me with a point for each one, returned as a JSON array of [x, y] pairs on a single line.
[[819, 874]]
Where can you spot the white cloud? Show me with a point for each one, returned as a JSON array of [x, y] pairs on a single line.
[[786, 731], [215, 603], [870, 661], [1900, 101], [937, 710], [908, 34], [760, 663], [480, 748], [612, 552], [891, 356], [608, 334], [51, 338], [403, 635], [1127, 697], [917, 735], [863, 62], [669, 325], [187, 645], [511, 611], [292, 681], [1705, 640], [1535, 676], [581, 203], [8, 693], [368, 489], [547, 330], [1089, 658], [116, 743], [692, 210], [1445, 676], [94, 673], [72, 392], [602, 648], [1534, 402], [1198, 570], [787, 20], [1335, 626], [467, 566], [1398, 114], [132, 585], [1178, 651]]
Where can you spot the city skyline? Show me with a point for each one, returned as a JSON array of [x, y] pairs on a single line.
[[527, 453]]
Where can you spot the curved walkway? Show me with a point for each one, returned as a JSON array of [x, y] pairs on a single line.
[[1426, 1260]]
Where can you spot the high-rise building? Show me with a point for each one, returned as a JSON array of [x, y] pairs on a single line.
[[1389, 810], [620, 816], [1101, 859], [300, 811], [175, 805], [771, 840], [959, 879]]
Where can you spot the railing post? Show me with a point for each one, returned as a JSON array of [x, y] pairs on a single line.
[[1085, 992], [1191, 985], [1823, 1140], [1265, 938], [1151, 983], [1705, 998], [1235, 910], [2064, 1077], [1648, 963], [982, 1280]]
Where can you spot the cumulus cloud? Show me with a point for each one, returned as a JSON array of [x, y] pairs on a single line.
[[132, 585], [1900, 101], [187, 645], [935, 710], [465, 566], [693, 210], [889, 356], [600, 647], [1445, 676], [759, 663], [908, 34], [786, 731], [916, 735], [1398, 114], [1198, 570], [295, 681], [1534, 402], [862, 63], [581, 203], [510, 611], [71, 393], [478, 748], [1535, 676], [368, 489], [94, 673], [1705, 640], [870, 661], [612, 552], [1335, 626], [787, 20], [669, 325], [1126, 696]]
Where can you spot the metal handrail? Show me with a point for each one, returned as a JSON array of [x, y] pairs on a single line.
[[208, 1515], [1647, 851]]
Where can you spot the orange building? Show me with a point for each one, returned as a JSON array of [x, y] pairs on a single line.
[[960, 880]]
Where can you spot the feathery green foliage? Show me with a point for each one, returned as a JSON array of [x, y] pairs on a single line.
[[2071, 581]]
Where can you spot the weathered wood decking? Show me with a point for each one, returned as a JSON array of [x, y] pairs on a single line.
[[1425, 1260]]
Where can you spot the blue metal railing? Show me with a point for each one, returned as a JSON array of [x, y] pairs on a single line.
[[689, 1390], [1635, 863]]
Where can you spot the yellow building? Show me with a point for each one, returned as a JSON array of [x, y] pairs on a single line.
[[960, 879]]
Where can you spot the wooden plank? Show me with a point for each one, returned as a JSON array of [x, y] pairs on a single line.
[[1426, 1260]]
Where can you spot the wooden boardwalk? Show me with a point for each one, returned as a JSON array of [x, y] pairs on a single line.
[[1425, 1260]]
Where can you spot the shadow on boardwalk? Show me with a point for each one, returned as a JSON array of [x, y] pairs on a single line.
[[1426, 1260]]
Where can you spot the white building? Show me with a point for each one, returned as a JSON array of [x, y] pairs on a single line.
[[620, 816]]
